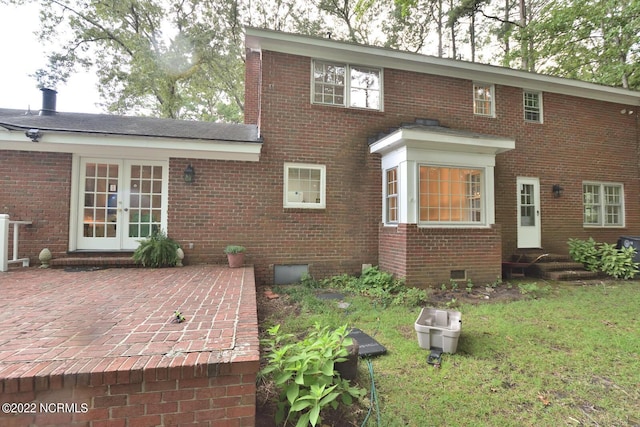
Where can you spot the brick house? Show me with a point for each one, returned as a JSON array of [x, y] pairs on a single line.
[[432, 168]]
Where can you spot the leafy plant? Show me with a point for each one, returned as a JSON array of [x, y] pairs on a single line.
[[157, 251], [604, 257], [411, 297], [585, 252], [305, 372], [618, 263], [234, 249], [533, 290], [469, 286]]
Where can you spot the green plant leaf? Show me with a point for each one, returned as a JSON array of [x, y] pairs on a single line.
[[293, 390], [314, 414]]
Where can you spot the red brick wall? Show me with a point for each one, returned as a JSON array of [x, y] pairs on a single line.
[[426, 256], [205, 395], [36, 187]]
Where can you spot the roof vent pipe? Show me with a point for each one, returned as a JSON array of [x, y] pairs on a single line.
[[48, 102]]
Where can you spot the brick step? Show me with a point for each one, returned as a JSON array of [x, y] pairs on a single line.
[[94, 261], [558, 265], [561, 275]]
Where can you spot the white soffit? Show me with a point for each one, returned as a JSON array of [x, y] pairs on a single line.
[[449, 141], [146, 147]]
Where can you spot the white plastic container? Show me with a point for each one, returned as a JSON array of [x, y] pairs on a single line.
[[439, 329]]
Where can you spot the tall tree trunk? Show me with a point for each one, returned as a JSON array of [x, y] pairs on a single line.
[[472, 36], [524, 42], [440, 50]]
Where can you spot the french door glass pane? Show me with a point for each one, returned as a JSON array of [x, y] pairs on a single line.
[[145, 200], [100, 200]]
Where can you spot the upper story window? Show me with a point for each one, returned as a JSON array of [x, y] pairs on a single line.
[[532, 102], [347, 85], [450, 195], [392, 196], [483, 99], [603, 204], [304, 185]]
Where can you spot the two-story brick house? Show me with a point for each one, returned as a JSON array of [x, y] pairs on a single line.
[[431, 168]]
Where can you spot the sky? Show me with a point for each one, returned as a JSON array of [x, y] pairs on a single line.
[[22, 54]]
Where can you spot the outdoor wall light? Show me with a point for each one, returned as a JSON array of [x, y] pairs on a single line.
[[189, 174], [557, 190], [33, 134]]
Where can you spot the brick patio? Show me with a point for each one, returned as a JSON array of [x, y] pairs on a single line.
[[105, 345]]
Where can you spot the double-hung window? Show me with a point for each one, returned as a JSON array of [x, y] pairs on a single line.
[[532, 103], [450, 195], [392, 196], [603, 204], [304, 185], [346, 85], [483, 99]]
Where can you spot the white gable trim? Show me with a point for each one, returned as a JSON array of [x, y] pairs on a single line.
[[333, 50]]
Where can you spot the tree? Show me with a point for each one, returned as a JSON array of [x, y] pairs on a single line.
[[178, 60], [593, 40]]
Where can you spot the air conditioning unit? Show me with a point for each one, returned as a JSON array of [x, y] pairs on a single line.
[[296, 196]]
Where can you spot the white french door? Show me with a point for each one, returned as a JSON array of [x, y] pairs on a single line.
[[120, 202], [529, 227]]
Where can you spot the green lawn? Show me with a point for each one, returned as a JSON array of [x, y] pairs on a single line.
[[570, 358]]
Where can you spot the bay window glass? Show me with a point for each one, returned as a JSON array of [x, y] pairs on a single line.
[[450, 195]]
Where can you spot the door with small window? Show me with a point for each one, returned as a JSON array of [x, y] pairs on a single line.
[[120, 202], [529, 225]]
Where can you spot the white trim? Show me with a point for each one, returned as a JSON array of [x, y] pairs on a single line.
[[323, 180], [540, 110], [140, 147], [492, 99], [333, 50], [347, 84], [436, 140], [602, 212]]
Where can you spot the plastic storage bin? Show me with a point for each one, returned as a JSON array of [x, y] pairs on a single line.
[[439, 329]]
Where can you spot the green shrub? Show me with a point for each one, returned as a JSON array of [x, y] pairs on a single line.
[[618, 263], [305, 373], [585, 252], [604, 257], [156, 251]]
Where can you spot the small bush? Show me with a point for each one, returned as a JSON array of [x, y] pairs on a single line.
[[534, 291], [157, 251], [604, 257], [585, 252], [618, 263], [305, 373]]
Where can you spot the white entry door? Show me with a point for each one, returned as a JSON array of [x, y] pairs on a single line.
[[529, 229], [120, 202]]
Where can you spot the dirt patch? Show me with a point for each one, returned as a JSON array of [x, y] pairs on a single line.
[[476, 295]]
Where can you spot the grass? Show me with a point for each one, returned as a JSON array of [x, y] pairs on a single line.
[[571, 357]]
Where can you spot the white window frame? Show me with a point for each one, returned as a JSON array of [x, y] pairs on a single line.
[[529, 109], [321, 204], [492, 99], [602, 205], [388, 196], [347, 85], [477, 202]]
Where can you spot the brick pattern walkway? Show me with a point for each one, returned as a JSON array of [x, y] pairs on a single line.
[[85, 321]]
